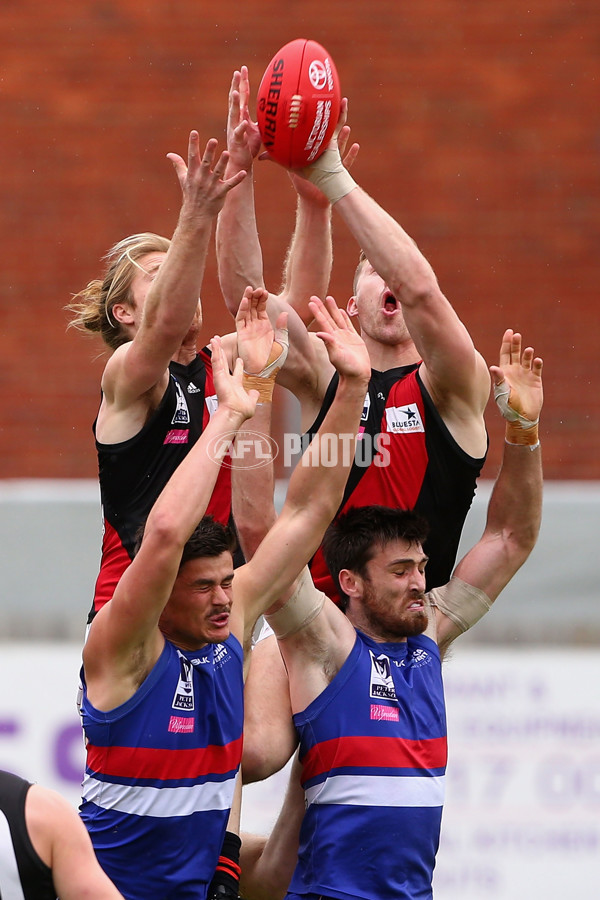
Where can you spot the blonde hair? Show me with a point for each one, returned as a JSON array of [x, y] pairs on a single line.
[[362, 259], [93, 305]]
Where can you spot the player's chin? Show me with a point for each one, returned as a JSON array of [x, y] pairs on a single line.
[[218, 632], [416, 622]]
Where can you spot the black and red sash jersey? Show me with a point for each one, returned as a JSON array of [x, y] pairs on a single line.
[[407, 458], [133, 473]]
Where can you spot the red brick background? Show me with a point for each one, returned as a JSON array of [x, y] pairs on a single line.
[[479, 129]]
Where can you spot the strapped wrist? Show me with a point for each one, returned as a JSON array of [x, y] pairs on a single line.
[[329, 175], [526, 437]]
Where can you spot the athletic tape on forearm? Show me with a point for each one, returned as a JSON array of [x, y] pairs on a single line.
[[305, 603], [329, 175], [264, 386], [264, 381], [461, 602], [523, 437]]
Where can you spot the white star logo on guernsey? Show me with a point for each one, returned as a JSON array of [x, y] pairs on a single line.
[[404, 419], [192, 389]]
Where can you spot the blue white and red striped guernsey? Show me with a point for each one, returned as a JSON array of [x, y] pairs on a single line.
[[160, 773], [373, 751]]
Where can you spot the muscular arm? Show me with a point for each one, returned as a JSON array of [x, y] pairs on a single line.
[[268, 863], [453, 372], [315, 488], [308, 261], [62, 842], [172, 298], [124, 640], [515, 506]]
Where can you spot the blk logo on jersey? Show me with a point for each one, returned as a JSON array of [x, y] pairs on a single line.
[[184, 692], [182, 413], [382, 683], [404, 419]]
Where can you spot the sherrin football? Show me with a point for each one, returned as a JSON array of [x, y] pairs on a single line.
[[298, 103]]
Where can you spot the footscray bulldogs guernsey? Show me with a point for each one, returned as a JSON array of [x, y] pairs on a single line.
[[373, 752], [407, 458], [160, 773]]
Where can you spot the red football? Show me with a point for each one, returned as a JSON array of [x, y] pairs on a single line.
[[298, 103]]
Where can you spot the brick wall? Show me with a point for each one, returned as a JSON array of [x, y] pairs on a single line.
[[479, 129]]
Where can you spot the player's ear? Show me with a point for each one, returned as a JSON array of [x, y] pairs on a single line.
[[122, 313], [351, 307], [350, 583]]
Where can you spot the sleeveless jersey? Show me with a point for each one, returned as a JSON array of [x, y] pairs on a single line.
[[23, 875], [160, 773], [407, 458], [133, 473], [373, 754]]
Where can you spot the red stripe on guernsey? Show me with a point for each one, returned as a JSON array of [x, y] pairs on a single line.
[[374, 753], [115, 559], [163, 765]]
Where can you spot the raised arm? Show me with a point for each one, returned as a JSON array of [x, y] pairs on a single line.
[[252, 478], [317, 483], [172, 289], [268, 863], [239, 254], [515, 506], [308, 262], [124, 640], [453, 371]]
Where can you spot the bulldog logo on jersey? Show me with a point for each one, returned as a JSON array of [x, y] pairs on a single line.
[[182, 413], [382, 683], [184, 692], [404, 419]]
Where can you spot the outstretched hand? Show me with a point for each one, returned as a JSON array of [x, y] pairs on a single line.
[[258, 345], [202, 180], [345, 347], [228, 385], [243, 135], [310, 191], [519, 375]]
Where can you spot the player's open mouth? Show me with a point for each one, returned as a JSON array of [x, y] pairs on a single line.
[[220, 620], [416, 604], [390, 304]]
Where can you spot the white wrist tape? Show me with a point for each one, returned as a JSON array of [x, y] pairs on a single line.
[[330, 176], [501, 395], [305, 603], [461, 602]]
